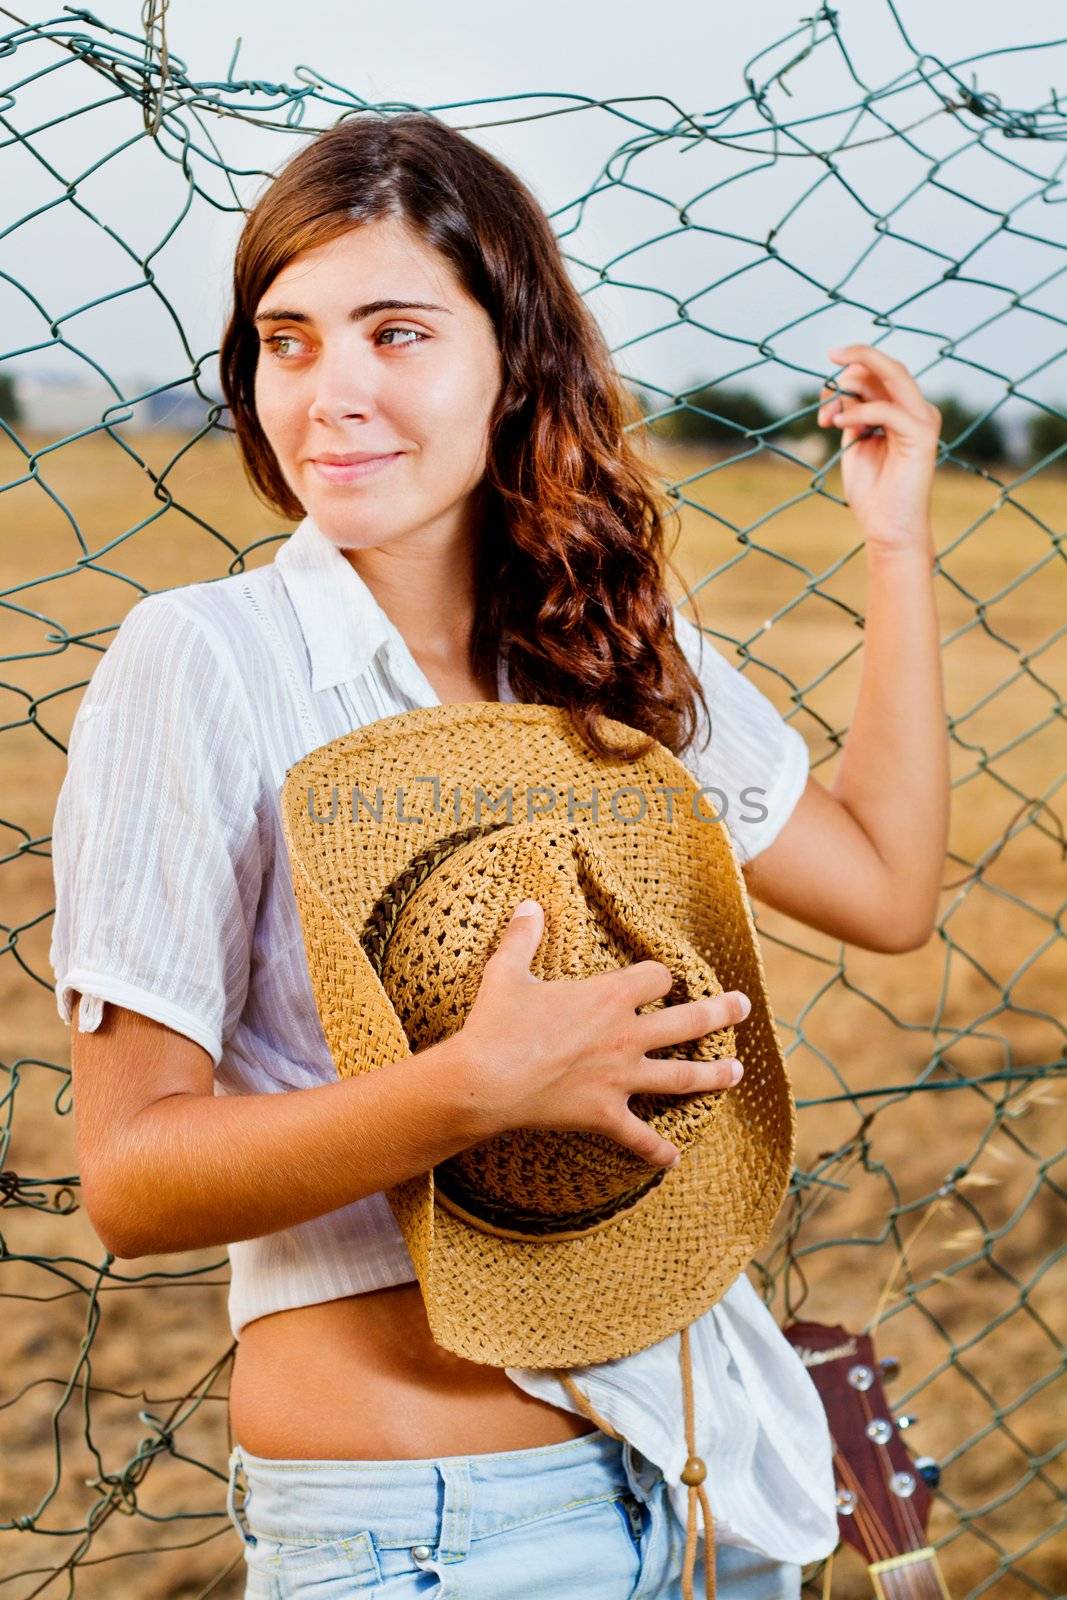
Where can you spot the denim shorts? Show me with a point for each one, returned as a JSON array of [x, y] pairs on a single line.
[[588, 1519]]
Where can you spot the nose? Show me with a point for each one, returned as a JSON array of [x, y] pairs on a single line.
[[342, 386]]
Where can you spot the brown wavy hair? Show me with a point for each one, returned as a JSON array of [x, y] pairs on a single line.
[[570, 586]]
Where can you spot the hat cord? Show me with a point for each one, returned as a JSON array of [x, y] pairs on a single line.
[[693, 1473]]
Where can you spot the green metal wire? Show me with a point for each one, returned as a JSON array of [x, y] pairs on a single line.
[[999, 1509]]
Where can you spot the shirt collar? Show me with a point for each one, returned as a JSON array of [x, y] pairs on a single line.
[[342, 623]]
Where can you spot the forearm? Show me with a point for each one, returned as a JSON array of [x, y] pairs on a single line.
[[893, 777], [193, 1171]]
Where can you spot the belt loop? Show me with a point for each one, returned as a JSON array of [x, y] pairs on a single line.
[[236, 1516], [454, 1535]]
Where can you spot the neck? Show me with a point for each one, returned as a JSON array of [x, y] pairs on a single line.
[[429, 595]]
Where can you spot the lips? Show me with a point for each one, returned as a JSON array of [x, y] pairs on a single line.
[[353, 470]]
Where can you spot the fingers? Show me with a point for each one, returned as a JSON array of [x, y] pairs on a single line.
[[686, 1077], [667, 1077], [854, 383], [897, 381], [521, 936], [635, 1134], [858, 414], [643, 981], [691, 1019]]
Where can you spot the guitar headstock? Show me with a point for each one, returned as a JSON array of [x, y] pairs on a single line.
[[883, 1493]]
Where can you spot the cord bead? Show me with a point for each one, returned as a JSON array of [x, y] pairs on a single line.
[[694, 1471]]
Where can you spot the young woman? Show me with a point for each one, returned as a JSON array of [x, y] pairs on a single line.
[[414, 378]]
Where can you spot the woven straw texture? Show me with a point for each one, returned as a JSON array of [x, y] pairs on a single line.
[[399, 914]]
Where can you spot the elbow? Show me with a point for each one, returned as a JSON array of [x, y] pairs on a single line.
[[132, 1222], [126, 1244], [901, 915], [896, 936], [114, 1219], [114, 1239], [116, 1245]]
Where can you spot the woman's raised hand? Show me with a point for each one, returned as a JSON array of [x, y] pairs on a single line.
[[887, 477], [568, 1054]]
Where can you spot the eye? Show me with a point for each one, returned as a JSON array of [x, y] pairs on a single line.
[[414, 331], [277, 339]]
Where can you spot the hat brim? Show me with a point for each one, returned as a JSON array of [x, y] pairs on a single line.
[[629, 1283]]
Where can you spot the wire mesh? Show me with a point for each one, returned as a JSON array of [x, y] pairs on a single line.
[[926, 1204]]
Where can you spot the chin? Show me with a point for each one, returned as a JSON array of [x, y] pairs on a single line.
[[342, 528]]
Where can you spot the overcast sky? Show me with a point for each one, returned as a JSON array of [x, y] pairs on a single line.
[[558, 54]]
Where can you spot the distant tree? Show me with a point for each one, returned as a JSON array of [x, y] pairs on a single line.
[[10, 409], [986, 444], [1046, 433], [640, 395], [800, 435], [693, 425], [797, 427], [642, 433]]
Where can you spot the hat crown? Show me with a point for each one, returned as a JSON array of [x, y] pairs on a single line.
[[429, 936]]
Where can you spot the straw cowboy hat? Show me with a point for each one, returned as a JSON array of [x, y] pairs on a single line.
[[411, 841]]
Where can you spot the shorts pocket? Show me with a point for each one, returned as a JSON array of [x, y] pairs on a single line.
[[328, 1570]]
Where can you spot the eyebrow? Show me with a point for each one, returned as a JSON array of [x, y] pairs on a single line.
[[279, 314]]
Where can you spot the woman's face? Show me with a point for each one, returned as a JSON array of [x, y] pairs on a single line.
[[340, 374]]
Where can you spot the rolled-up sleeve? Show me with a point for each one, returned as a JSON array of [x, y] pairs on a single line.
[[156, 848], [754, 764]]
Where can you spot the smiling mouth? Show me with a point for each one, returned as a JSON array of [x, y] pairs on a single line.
[[353, 471]]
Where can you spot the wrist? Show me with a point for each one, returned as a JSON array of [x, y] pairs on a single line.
[[462, 1088], [916, 551]]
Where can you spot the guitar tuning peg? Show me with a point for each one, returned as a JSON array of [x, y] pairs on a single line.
[[928, 1471], [890, 1366], [907, 1420]]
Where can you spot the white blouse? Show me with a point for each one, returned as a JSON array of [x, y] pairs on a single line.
[[174, 899]]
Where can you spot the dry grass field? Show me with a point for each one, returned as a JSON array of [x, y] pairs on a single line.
[[105, 1371]]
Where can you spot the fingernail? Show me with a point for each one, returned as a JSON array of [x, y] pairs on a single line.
[[743, 1001], [736, 1070], [675, 1162], [525, 908]]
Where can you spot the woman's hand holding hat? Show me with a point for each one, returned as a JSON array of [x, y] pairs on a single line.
[[567, 1055]]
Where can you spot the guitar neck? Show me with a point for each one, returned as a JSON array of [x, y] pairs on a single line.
[[914, 1576]]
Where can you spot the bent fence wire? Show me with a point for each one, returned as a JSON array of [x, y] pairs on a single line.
[[848, 193]]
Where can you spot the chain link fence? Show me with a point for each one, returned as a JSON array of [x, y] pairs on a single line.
[[913, 207]]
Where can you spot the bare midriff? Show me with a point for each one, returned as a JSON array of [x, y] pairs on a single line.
[[361, 1378]]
